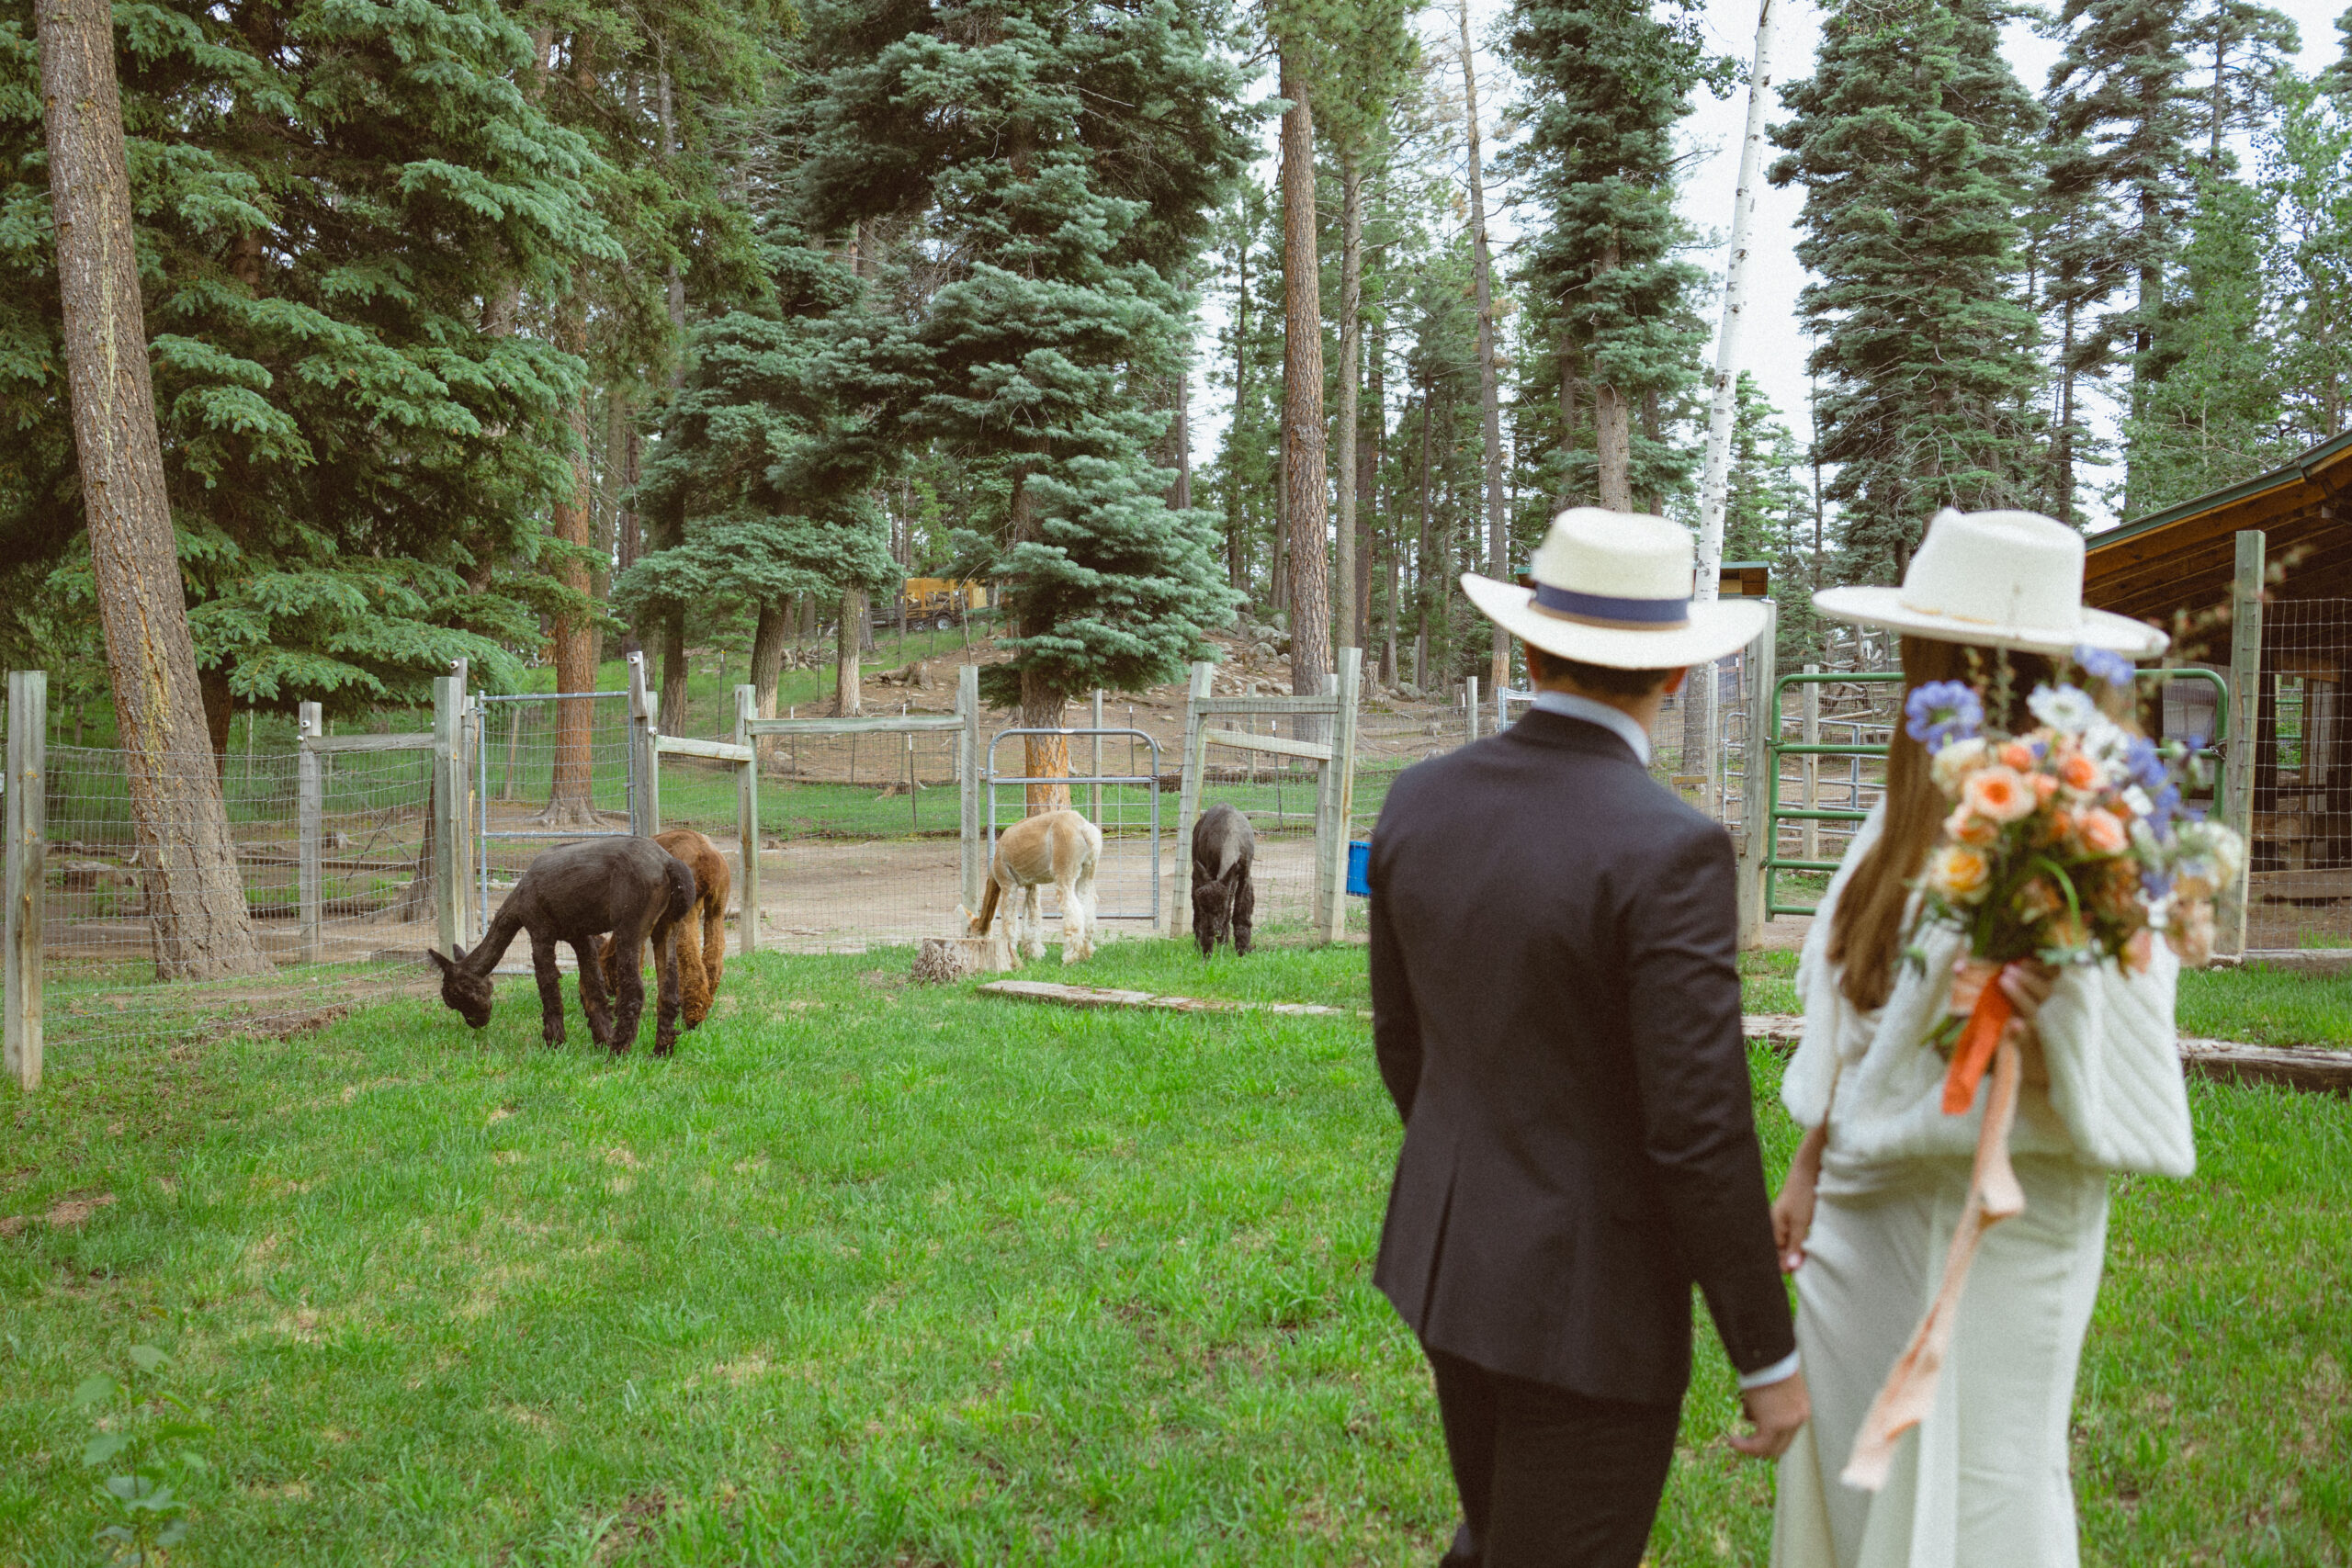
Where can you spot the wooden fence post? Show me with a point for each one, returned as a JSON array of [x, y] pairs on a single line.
[[747, 821], [24, 807], [972, 854], [1761, 667], [1188, 799], [309, 818], [1809, 846], [2245, 727], [645, 792], [448, 814], [1470, 703], [463, 771], [1335, 805]]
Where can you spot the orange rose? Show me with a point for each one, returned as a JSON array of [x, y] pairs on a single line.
[[2017, 755], [1999, 793], [2101, 834], [2044, 786], [2077, 772], [1967, 827], [1960, 874]]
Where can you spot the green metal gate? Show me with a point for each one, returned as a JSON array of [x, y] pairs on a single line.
[[1775, 863]]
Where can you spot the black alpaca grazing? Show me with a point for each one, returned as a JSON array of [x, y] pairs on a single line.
[[633, 888], [1222, 896]]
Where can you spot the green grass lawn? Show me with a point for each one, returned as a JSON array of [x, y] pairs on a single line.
[[871, 1273], [2256, 1004]]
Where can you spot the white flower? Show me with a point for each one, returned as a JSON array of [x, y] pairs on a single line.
[[2107, 743], [1956, 762], [2136, 797], [2063, 709]]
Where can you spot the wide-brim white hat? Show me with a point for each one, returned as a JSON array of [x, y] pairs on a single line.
[[2000, 579], [1613, 588]]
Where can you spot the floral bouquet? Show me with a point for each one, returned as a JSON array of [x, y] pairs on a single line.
[[2067, 843]]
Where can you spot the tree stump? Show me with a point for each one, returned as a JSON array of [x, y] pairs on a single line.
[[944, 960]]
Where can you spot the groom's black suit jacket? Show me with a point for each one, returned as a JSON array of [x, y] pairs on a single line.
[[1556, 1009]]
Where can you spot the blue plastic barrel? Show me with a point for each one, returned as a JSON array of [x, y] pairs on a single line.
[[1359, 869]]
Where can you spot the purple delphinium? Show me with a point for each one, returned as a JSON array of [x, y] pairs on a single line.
[[2103, 665], [1940, 713]]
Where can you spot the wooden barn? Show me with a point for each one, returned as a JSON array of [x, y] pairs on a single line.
[[2257, 582]]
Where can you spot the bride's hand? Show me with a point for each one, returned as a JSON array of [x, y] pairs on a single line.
[[2027, 985], [1792, 1210]]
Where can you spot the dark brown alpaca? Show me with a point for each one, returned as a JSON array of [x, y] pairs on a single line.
[[631, 888], [1224, 898], [702, 955]]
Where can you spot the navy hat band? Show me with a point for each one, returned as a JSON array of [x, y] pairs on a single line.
[[1608, 610]]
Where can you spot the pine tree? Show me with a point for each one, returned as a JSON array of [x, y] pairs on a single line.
[[1606, 82], [1768, 515], [356, 469], [2306, 181], [2121, 106], [1066, 158], [1911, 141]]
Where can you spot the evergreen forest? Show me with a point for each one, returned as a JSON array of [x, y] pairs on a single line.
[[521, 331]]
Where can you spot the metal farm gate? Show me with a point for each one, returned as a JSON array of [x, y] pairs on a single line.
[[1120, 803]]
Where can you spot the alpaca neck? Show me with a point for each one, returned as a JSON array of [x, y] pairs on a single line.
[[494, 943]]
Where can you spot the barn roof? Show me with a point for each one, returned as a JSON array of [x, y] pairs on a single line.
[[2183, 558]]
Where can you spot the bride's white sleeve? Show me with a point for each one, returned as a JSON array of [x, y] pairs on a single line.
[[1834, 1032], [2115, 1074]]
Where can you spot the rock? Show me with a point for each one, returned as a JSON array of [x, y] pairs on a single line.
[[944, 960]]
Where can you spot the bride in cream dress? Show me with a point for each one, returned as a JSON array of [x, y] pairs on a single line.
[[1881, 1179]]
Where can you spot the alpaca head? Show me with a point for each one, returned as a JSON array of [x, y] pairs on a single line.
[[1212, 914], [461, 989]]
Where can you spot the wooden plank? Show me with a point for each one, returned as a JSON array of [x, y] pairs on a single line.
[[423, 742], [971, 849], [1755, 775], [1094, 997], [747, 823], [2310, 1068], [894, 725], [1267, 708], [2246, 723], [716, 750], [1279, 744], [1188, 796], [449, 818], [2299, 885], [24, 810], [309, 817]]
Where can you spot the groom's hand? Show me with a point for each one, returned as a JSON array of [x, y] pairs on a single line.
[[1778, 1410]]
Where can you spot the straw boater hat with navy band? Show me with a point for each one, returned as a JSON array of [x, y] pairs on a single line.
[[1999, 580], [1613, 588]]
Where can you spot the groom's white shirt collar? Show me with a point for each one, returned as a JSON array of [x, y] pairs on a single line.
[[1567, 704]]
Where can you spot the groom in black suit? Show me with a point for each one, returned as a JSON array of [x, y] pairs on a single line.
[[1557, 1012]]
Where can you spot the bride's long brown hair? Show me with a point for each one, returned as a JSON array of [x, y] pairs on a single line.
[[1866, 934]]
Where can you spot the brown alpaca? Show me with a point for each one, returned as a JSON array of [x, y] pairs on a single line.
[[702, 953]]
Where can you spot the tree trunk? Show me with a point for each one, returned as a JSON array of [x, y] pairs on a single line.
[[628, 530], [1044, 758], [1278, 571], [1343, 567], [195, 897], [1654, 431], [769, 637], [1178, 443], [571, 799], [1368, 448], [1303, 476], [1236, 552], [849, 696], [1489, 394], [1567, 420], [1421, 562], [674, 662]]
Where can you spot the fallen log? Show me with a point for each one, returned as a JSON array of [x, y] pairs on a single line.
[[2312, 1068]]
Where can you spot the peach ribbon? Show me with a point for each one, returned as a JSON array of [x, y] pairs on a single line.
[[1988, 1014], [1993, 1195]]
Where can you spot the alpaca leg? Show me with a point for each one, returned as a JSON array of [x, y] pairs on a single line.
[[1073, 919], [1032, 921], [1085, 898], [714, 952], [551, 989], [630, 1006], [608, 965], [693, 984], [670, 962], [592, 994], [1245, 906]]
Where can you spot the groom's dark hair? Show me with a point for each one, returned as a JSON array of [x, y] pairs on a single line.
[[1543, 667]]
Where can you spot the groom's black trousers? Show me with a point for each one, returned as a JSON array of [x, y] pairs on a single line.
[[1549, 1478]]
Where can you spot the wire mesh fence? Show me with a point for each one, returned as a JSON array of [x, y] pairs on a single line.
[[859, 835], [375, 904], [544, 769], [1278, 794], [2300, 886]]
